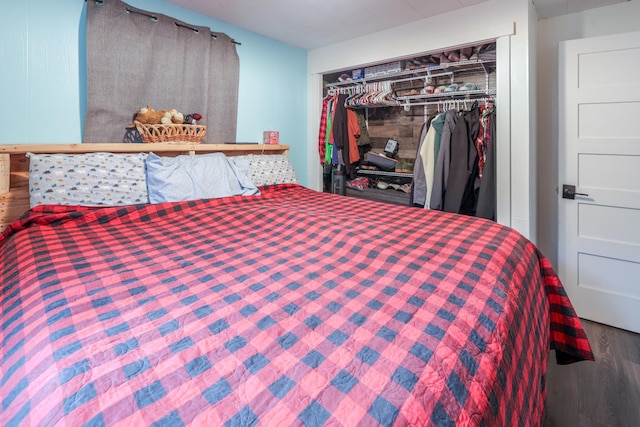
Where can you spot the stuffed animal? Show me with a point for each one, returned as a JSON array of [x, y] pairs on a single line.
[[173, 116], [149, 116]]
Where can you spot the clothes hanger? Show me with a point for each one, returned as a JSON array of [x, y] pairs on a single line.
[[353, 92]]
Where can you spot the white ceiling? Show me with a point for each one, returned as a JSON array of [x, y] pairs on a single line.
[[309, 24], [551, 8]]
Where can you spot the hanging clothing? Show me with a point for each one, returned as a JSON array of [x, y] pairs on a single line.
[[340, 132], [329, 132], [354, 136], [428, 160], [433, 148], [322, 133], [441, 173], [419, 187], [463, 181], [364, 131], [479, 143], [487, 193], [438, 124], [455, 161]]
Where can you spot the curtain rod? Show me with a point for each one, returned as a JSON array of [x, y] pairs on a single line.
[[177, 24]]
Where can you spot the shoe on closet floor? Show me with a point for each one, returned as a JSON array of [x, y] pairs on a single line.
[[359, 183]]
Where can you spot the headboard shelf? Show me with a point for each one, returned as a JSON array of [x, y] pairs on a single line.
[[229, 149], [14, 164]]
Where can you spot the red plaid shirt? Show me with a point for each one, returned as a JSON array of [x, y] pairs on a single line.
[[323, 129]]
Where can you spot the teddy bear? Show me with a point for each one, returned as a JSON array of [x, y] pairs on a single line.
[[149, 116]]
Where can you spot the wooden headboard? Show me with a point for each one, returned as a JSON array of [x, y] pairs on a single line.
[[14, 164]]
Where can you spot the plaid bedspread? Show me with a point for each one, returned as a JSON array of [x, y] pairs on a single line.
[[290, 308]]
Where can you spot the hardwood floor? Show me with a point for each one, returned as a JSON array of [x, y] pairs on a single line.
[[604, 393]]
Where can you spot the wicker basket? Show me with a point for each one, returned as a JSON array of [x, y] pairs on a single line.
[[171, 133]]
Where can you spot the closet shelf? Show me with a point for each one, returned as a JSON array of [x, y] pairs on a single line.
[[455, 96], [384, 173], [448, 95], [390, 89], [484, 66]]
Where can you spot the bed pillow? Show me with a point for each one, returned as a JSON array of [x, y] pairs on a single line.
[[270, 169], [203, 176], [92, 179]]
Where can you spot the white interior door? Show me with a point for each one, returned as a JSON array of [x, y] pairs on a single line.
[[599, 147]]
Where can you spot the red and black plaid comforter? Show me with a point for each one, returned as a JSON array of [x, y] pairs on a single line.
[[290, 308]]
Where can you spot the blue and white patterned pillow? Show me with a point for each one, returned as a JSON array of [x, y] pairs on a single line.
[[269, 169], [92, 179]]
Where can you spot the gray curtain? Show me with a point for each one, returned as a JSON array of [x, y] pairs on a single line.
[[137, 58]]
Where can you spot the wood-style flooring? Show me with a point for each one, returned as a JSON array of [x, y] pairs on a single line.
[[604, 393]]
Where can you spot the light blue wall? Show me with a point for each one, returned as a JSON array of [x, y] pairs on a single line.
[[43, 76]]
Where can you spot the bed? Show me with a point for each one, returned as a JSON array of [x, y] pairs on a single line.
[[288, 307]]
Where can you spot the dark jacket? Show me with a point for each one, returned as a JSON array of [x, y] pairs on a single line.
[[463, 182]]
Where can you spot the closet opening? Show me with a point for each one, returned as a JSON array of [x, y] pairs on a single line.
[[418, 131]]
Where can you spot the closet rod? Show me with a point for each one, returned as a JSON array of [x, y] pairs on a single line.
[[450, 101], [445, 70], [428, 76], [177, 24]]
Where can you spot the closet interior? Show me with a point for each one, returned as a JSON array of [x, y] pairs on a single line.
[[417, 131]]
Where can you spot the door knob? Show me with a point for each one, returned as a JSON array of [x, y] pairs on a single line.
[[569, 192]]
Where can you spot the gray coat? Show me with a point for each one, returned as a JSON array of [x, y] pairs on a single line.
[[441, 174]]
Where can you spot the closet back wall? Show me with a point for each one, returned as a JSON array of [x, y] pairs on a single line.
[[43, 72]]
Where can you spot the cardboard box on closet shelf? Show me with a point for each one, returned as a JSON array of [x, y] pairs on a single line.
[[271, 137]]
